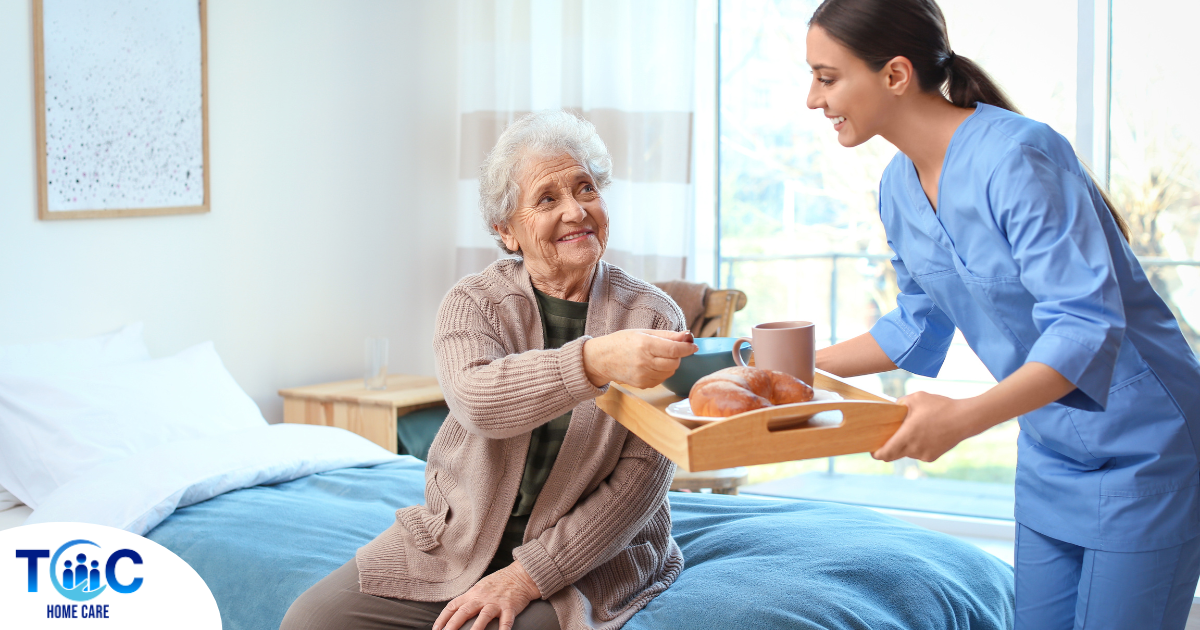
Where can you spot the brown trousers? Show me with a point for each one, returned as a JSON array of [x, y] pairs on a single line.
[[335, 603]]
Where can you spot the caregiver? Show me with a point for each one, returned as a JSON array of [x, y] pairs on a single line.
[[1000, 232]]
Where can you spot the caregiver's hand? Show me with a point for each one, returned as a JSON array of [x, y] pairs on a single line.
[[934, 425], [641, 358], [501, 595]]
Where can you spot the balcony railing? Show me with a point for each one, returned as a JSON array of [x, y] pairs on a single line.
[[729, 262]]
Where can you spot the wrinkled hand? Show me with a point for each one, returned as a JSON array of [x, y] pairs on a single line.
[[934, 425], [641, 358], [501, 595]]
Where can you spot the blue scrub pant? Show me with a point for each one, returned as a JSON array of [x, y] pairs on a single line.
[[1061, 586]]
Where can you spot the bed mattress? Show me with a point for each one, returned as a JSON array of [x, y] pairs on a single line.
[[749, 563]]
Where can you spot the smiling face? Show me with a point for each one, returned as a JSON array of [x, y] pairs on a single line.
[[561, 224], [856, 100]]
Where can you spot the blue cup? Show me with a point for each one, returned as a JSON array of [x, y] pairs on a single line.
[[715, 353]]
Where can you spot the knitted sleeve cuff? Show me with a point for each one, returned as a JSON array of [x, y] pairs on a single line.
[[540, 566], [574, 376]]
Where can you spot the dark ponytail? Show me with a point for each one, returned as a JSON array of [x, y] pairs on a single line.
[[967, 84], [878, 31]]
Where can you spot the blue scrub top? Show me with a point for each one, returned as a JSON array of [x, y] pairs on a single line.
[[1025, 259]]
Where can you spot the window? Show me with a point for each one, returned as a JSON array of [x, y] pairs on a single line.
[[797, 212], [1154, 137]]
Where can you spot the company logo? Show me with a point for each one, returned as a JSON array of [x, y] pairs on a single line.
[[82, 578], [53, 575]]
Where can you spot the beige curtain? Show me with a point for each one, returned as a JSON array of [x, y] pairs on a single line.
[[628, 68]]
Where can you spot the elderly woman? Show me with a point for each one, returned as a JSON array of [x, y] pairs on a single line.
[[540, 510]]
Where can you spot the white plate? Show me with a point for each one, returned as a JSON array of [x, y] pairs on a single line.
[[683, 408]]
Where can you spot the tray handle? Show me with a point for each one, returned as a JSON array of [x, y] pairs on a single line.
[[866, 425]]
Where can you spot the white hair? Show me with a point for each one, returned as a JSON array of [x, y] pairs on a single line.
[[543, 134]]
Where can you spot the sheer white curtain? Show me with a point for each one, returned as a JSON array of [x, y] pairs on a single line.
[[625, 65]]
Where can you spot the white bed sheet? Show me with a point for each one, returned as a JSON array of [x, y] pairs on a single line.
[[138, 492]]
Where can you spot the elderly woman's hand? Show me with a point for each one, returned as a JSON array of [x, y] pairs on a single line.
[[501, 595], [641, 358]]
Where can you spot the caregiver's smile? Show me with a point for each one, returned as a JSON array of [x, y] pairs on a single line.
[[852, 96]]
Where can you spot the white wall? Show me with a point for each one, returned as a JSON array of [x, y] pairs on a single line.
[[332, 129]]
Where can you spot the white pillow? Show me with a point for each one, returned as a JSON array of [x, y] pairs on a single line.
[[53, 429], [70, 355], [55, 358], [7, 500]]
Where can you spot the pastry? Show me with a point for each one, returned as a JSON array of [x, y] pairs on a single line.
[[735, 390]]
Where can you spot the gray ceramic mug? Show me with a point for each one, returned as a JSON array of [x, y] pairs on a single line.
[[782, 346]]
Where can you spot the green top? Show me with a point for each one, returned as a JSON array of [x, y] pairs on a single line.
[[563, 321]]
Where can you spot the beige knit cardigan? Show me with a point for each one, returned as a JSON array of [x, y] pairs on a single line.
[[598, 543]]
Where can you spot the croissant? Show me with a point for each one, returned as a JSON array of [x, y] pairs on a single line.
[[735, 390]]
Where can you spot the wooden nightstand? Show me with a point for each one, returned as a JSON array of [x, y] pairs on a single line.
[[367, 412]]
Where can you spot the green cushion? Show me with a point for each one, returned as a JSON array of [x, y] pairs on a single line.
[[416, 430]]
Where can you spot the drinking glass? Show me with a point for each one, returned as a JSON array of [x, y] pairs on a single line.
[[376, 362]]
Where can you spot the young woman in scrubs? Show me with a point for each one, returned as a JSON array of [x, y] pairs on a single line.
[[1000, 232]]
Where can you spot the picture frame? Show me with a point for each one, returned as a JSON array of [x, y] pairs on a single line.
[[121, 100]]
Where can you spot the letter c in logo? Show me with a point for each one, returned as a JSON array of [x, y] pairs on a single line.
[[110, 571]]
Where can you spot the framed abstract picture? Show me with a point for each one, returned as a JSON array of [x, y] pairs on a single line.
[[122, 107]]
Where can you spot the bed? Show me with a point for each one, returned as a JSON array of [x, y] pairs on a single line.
[[262, 512], [749, 563], [250, 516]]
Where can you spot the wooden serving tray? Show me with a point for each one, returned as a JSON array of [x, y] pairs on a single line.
[[764, 436]]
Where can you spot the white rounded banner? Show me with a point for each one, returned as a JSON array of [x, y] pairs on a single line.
[[65, 575]]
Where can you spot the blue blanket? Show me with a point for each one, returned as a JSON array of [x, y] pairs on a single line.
[[749, 563]]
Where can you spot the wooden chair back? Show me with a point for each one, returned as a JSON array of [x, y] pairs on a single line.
[[719, 307]]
